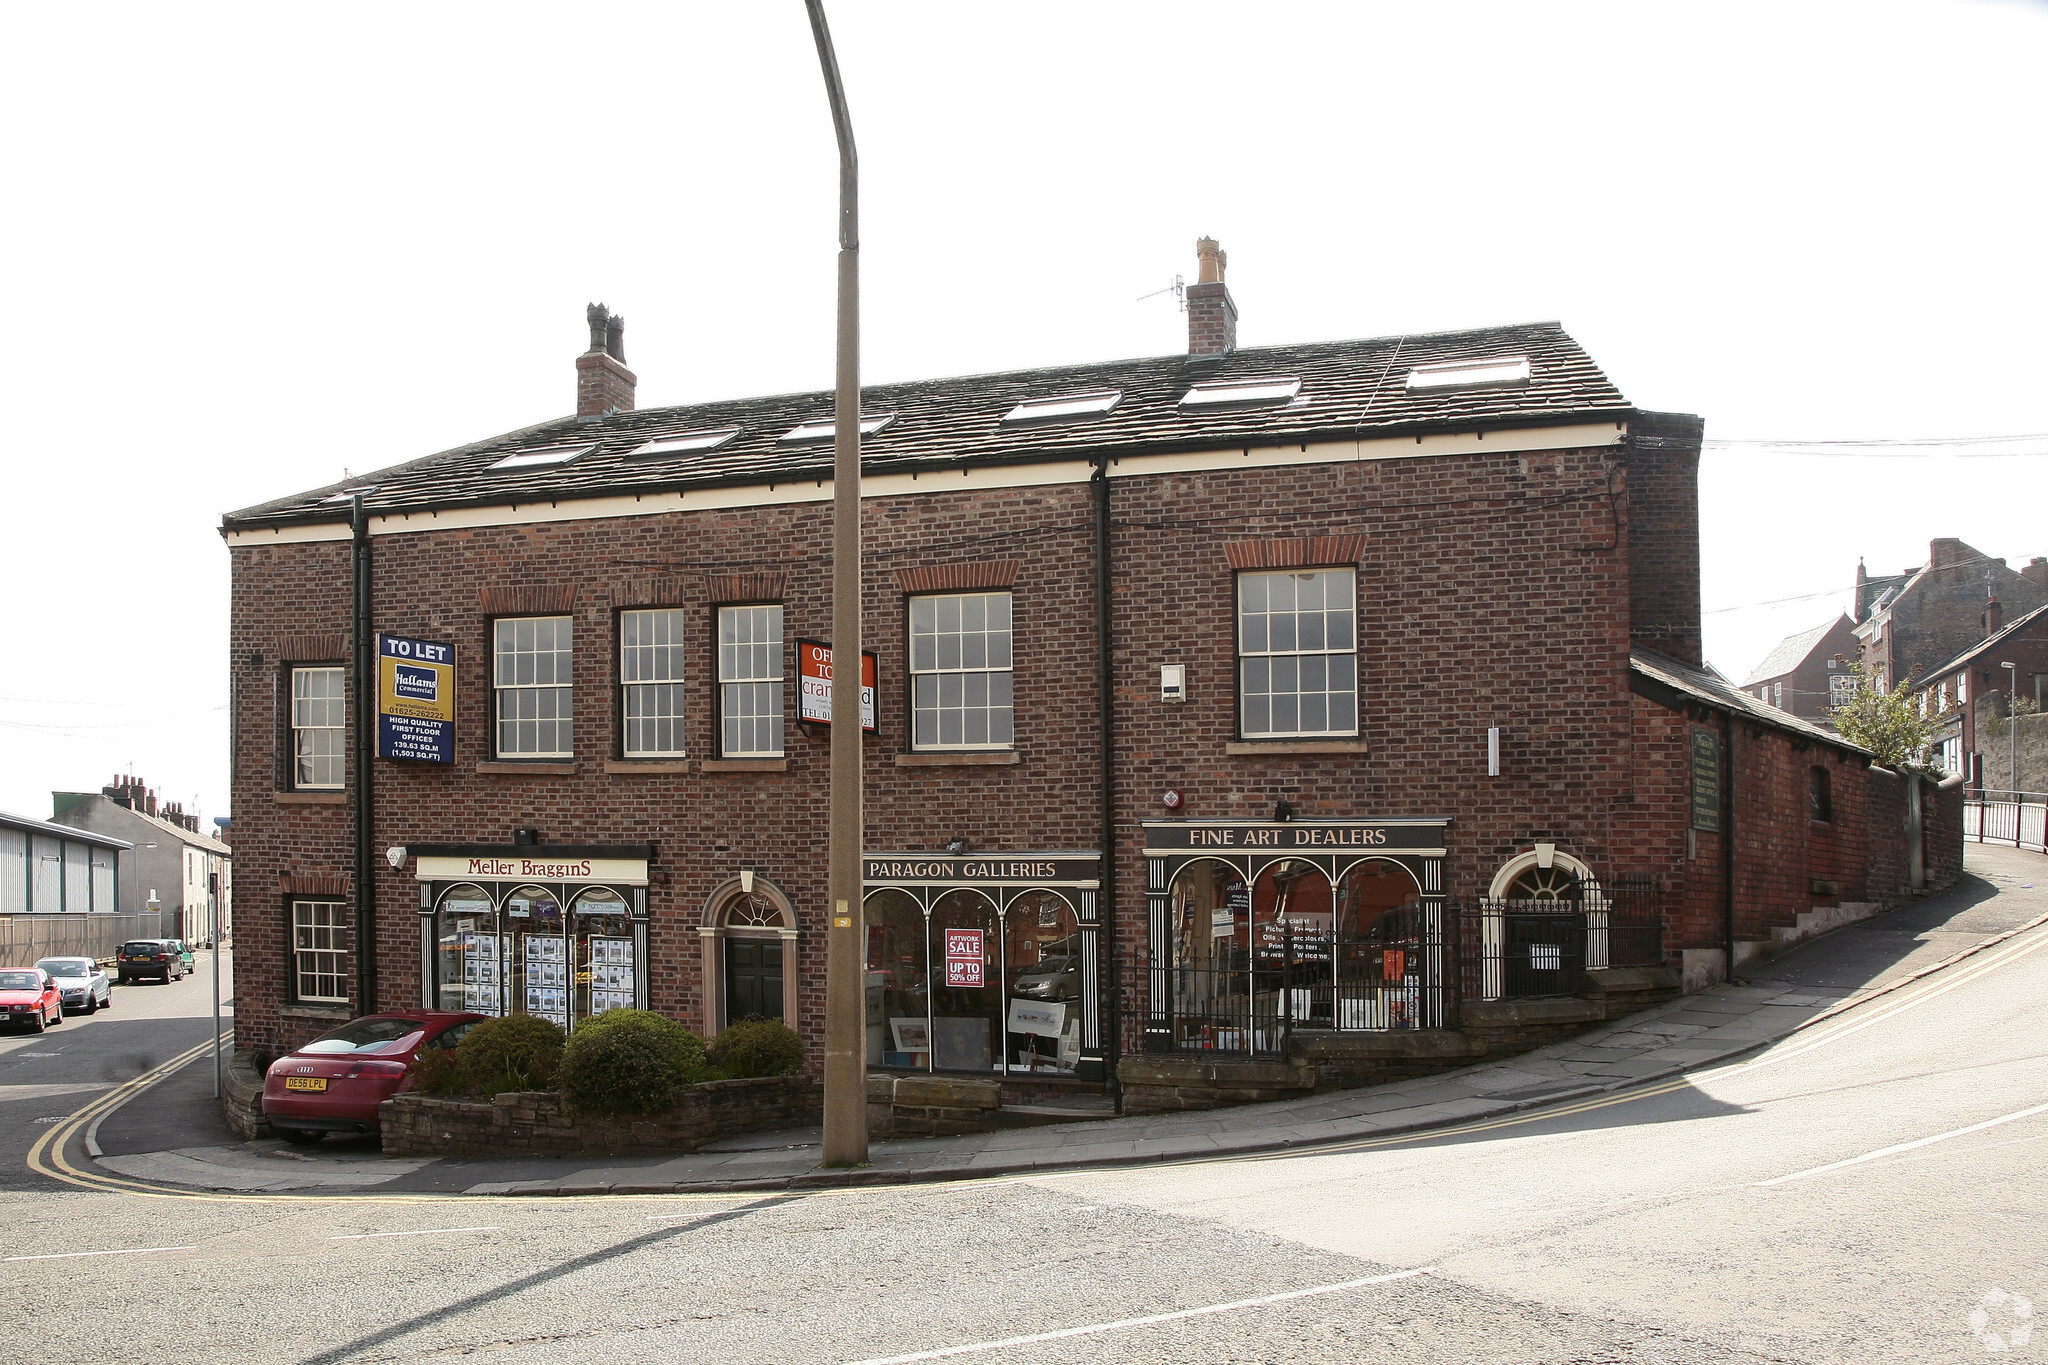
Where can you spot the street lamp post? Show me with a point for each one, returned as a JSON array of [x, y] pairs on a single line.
[[846, 1100], [2012, 731]]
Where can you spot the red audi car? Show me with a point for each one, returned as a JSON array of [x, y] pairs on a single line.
[[335, 1083], [29, 998]]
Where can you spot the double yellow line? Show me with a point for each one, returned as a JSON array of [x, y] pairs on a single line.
[[48, 1156]]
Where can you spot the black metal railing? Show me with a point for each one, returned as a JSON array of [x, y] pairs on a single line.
[[1248, 998], [1515, 949]]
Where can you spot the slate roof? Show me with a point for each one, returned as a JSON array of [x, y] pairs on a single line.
[[1790, 653], [1348, 388], [1989, 643], [1701, 686]]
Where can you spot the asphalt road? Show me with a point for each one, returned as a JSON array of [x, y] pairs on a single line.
[[48, 1075], [1853, 1194]]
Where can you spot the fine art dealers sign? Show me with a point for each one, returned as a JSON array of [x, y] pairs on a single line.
[[415, 699], [1297, 836], [538, 868]]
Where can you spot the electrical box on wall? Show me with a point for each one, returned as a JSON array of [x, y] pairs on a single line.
[[1173, 682]]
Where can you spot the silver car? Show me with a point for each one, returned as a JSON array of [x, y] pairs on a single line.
[[81, 982]]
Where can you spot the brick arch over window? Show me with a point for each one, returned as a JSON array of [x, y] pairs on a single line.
[[731, 912]]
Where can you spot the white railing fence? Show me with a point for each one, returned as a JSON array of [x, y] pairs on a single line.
[[2016, 818]]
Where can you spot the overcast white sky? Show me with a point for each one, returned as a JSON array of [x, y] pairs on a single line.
[[248, 247]]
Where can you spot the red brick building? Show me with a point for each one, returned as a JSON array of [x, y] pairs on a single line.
[[1395, 627], [1808, 674]]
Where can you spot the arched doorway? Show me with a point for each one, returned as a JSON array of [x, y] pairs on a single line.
[[750, 970], [1545, 920]]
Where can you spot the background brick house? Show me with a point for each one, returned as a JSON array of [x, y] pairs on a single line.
[[1501, 541], [1808, 673]]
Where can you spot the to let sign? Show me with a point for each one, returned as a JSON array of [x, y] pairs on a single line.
[[415, 699], [966, 965], [814, 684]]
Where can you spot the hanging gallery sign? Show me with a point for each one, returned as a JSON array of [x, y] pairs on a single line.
[[415, 699], [814, 685]]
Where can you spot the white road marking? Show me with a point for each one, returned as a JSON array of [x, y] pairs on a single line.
[[1907, 1146], [417, 1232], [118, 1251], [1123, 1323]]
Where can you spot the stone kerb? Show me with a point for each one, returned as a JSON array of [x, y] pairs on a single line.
[[544, 1123]]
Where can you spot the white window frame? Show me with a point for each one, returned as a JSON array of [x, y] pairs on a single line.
[[976, 672], [751, 680], [1841, 689], [332, 711], [1256, 655], [504, 662], [319, 965], [651, 678]]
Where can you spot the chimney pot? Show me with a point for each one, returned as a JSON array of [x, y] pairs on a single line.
[[603, 383]]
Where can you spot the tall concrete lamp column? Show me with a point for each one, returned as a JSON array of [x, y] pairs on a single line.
[[2012, 734], [846, 1100]]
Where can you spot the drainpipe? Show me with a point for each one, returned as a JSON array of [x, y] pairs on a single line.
[[1728, 842], [366, 747], [1105, 676]]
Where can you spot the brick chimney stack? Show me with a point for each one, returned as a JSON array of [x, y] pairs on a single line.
[[1212, 317], [2036, 572], [603, 383]]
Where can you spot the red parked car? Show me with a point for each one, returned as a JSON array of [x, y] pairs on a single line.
[[335, 1083], [29, 998]]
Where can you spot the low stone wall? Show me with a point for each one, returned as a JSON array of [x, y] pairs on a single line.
[[931, 1106], [241, 1098], [543, 1123], [1316, 1062]]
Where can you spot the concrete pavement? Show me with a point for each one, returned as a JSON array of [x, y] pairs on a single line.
[[2004, 891]]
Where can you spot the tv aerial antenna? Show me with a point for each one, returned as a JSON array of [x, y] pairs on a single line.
[[1178, 289]]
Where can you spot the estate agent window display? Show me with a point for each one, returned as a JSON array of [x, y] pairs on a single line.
[[565, 949]]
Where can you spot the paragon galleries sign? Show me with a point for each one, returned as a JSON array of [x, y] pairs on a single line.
[[1007, 869], [814, 685], [537, 868], [415, 699]]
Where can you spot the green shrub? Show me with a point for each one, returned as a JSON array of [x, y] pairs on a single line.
[[757, 1047], [518, 1052], [434, 1072], [630, 1062]]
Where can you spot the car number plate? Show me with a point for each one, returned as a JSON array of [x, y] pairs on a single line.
[[305, 1082]]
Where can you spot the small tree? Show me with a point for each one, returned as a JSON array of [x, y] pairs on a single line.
[[1889, 724]]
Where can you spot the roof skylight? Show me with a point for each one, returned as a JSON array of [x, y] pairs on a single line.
[[350, 494], [1470, 374], [532, 459], [1240, 393], [684, 443], [821, 430], [1070, 405]]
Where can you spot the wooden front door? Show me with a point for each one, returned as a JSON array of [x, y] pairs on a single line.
[[753, 978]]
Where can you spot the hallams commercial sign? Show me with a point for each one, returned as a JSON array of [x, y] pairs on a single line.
[[415, 699]]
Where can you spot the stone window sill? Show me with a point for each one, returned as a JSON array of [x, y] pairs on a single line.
[[529, 769], [743, 765], [316, 1012], [1281, 747], [647, 765], [311, 798], [987, 758]]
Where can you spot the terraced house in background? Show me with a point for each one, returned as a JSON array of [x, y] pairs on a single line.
[[1227, 707]]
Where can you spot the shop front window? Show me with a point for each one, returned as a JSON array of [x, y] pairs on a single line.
[[539, 956], [603, 953], [1212, 908], [1042, 960], [1380, 953], [966, 991], [898, 984], [468, 953], [1292, 923]]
